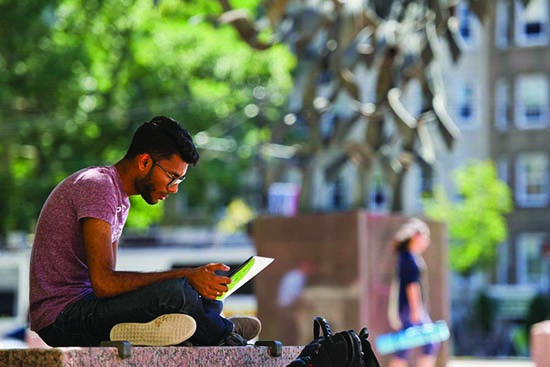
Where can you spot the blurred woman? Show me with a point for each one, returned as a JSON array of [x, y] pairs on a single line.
[[410, 241]]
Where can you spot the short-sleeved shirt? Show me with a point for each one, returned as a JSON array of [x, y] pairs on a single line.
[[408, 272], [58, 269]]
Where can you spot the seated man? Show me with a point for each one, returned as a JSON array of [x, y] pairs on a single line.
[[78, 298]]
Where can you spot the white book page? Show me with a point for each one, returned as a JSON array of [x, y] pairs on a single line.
[[246, 271]]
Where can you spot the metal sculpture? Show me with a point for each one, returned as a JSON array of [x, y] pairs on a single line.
[[337, 43]]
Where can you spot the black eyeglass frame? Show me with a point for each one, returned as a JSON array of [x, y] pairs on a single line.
[[173, 179]]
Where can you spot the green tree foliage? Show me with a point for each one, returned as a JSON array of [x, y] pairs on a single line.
[[475, 219], [238, 215], [77, 78]]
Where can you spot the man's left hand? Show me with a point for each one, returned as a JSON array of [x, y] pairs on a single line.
[[206, 282]]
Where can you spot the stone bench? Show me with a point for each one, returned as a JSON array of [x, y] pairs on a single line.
[[249, 356]]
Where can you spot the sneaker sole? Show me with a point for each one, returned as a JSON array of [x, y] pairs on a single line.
[[170, 329]]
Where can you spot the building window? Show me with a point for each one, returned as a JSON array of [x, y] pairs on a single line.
[[530, 247], [502, 263], [339, 190], [502, 99], [337, 195], [379, 193], [465, 105], [420, 184], [502, 169], [502, 24], [531, 101], [465, 20], [532, 179], [531, 23]]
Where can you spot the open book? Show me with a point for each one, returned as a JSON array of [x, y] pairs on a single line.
[[244, 272]]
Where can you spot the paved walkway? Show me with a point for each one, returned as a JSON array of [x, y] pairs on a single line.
[[490, 363]]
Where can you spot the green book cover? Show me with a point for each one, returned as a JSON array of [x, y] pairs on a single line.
[[246, 271]]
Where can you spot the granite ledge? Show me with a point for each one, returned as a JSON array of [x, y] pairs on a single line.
[[249, 356]]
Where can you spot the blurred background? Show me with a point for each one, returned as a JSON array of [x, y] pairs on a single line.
[[436, 109]]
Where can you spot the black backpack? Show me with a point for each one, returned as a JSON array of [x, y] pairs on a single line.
[[343, 349]]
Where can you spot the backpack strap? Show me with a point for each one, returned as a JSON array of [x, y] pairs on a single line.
[[368, 353], [320, 323]]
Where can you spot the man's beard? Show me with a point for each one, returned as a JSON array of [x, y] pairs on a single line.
[[145, 187]]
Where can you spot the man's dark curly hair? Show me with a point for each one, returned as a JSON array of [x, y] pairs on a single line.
[[161, 138]]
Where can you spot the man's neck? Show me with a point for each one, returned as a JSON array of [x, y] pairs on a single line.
[[125, 171]]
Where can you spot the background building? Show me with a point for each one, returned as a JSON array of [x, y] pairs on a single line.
[[498, 94], [520, 134]]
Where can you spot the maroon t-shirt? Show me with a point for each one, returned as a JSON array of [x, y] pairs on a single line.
[[58, 269]]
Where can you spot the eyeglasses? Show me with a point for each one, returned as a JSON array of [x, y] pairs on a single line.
[[173, 180]]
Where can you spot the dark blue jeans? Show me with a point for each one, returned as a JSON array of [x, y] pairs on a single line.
[[88, 321]]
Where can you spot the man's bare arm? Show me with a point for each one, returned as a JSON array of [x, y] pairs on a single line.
[[108, 282]]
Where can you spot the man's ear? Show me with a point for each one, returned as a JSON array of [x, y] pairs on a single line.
[[144, 161]]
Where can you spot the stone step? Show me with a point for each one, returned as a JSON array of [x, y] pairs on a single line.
[[249, 356]]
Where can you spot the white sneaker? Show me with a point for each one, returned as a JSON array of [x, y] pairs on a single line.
[[169, 329]]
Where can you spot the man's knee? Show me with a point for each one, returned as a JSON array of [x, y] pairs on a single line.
[[175, 294], [171, 285]]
